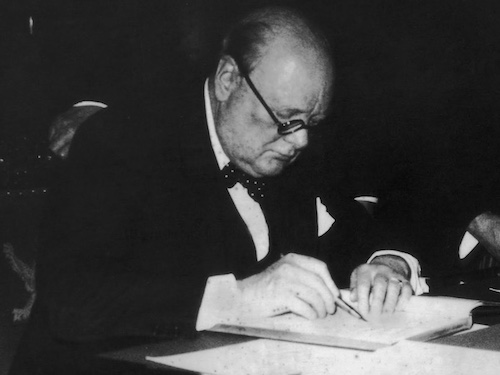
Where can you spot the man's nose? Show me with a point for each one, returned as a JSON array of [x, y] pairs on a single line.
[[299, 139]]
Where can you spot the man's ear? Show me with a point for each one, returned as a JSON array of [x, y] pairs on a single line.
[[227, 78]]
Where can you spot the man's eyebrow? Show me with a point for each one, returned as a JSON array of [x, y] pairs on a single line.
[[289, 112]]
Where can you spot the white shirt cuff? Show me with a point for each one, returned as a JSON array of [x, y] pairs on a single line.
[[367, 198], [218, 303], [90, 103], [417, 282]]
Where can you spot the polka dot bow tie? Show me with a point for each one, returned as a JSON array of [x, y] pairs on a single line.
[[255, 187]]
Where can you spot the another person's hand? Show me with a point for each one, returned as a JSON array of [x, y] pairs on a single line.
[[64, 127], [486, 229], [296, 283], [380, 288]]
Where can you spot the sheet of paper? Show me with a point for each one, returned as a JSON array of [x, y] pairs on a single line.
[[422, 318], [271, 357]]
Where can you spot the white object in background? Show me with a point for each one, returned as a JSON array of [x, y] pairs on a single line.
[[325, 220], [469, 242], [90, 103], [367, 198]]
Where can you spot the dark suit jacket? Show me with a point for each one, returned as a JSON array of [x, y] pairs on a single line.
[[142, 218]]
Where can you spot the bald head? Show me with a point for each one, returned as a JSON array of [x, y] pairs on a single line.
[[263, 30]]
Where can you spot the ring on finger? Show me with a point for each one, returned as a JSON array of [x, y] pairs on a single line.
[[397, 281]]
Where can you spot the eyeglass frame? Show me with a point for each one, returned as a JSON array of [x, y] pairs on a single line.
[[284, 128]]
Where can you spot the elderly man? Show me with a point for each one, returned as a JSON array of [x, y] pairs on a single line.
[[180, 213]]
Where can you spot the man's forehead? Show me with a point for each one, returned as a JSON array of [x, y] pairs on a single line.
[[296, 83], [287, 61]]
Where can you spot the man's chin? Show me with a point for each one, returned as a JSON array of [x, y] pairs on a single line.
[[272, 169]]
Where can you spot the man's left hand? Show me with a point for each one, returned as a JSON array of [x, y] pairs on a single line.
[[379, 289]]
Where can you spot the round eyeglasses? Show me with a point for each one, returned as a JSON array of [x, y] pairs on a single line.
[[284, 128]]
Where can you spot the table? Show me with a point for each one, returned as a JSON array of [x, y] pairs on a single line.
[[488, 338], [468, 286], [474, 285]]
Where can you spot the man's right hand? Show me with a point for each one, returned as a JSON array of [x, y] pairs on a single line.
[[296, 283]]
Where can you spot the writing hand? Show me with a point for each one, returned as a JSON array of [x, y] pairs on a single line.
[[296, 283], [379, 289]]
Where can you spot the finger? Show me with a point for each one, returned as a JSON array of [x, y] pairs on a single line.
[[316, 266], [300, 307], [393, 293], [406, 293], [311, 297], [378, 294], [298, 278], [353, 285], [363, 289], [317, 284], [354, 294]]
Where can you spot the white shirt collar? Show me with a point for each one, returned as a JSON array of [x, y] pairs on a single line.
[[220, 155]]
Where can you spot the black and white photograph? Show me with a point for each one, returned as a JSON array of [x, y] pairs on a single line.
[[249, 187]]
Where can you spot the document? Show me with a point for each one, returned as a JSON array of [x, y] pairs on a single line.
[[422, 319]]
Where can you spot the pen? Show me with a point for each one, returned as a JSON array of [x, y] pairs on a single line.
[[348, 307]]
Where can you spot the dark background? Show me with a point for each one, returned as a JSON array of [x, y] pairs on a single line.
[[416, 111], [409, 72], [415, 119]]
